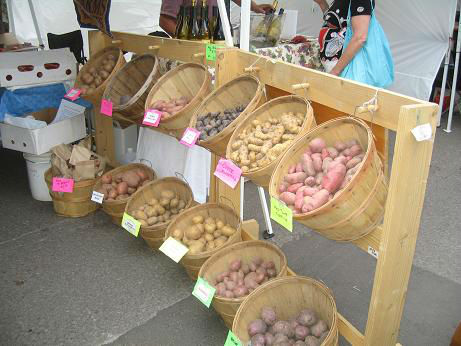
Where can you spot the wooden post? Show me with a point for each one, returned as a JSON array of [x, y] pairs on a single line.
[[404, 205]]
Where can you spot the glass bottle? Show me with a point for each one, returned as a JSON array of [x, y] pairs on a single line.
[[180, 21], [275, 29], [204, 29], [212, 23], [218, 33], [184, 33], [194, 22]]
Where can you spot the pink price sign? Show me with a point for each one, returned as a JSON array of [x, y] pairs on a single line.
[[73, 94], [228, 172], [152, 117], [62, 185], [189, 137], [106, 107]]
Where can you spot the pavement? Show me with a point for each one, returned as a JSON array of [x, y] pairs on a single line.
[[86, 281]]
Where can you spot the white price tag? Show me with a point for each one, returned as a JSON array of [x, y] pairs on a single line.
[[422, 132], [373, 252], [97, 197], [173, 249]]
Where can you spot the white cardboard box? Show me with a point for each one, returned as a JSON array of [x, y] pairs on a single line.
[[37, 68], [65, 125]]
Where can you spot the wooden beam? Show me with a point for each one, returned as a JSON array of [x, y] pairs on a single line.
[[372, 239], [331, 91], [404, 205], [349, 332]]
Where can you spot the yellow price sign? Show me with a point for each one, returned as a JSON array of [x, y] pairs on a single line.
[[281, 214]]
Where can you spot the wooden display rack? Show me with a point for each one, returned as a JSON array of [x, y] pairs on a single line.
[[394, 241]]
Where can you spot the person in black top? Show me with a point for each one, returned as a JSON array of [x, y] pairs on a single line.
[[333, 31]]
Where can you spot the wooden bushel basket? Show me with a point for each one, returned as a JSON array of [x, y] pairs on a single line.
[[244, 90], [153, 235], [94, 61], [288, 296], [190, 80], [193, 263], [246, 251], [128, 88], [359, 207], [273, 109], [73, 204], [116, 208]]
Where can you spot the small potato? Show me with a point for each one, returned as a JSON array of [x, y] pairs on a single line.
[[193, 232], [219, 224], [203, 240], [174, 203], [160, 218], [210, 220], [197, 219], [143, 223], [174, 211], [228, 230], [196, 247], [208, 237], [235, 265], [201, 227], [160, 210], [150, 211], [220, 241], [167, 214], [140, 215], [217, 234], [164, 202], [178, 233], [210, 228], [181, 204], [168, 194], [152, 220], [153, 201], [211, 245]]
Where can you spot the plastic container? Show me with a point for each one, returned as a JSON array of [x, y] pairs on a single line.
[[129, 157], [37, 165]]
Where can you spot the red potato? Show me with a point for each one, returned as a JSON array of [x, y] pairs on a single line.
[[294, 178], [333, 179], [299, 168], [292, 169], [317, 144], [299, 197], [288, 198], [234, 276], [283, 187], [310, 191], [333, 152], [310, 181], [340, 146], [325, 153], [346, 152], [257, 327], [240, 291], [319, 199], [235, 265], [353, 162], [271, 272], [325, 164], [350, 143], [317, 161], [318, 178], [231, 285], [293, 188], [229, 294], [308, 165], [355, 150]]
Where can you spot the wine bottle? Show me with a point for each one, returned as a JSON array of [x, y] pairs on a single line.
[[203, 29], [218, 33], [184, 33], [180, 21], [275, 29], [212, 22], [194, 22]]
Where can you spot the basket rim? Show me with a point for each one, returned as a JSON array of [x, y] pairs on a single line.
[[149, 185], [302, 143], [223, 133], [236, 247], [82, 183], [199, 207], [143, 87], [159, 84], [256, 113]]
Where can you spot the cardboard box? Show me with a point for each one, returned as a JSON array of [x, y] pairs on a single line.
[[19, 69], [68, 126]]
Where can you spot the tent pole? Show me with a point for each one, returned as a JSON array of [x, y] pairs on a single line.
[[453, 87], [12, 27], [37, 29], [225, 23], [444, 84], [245, 25]]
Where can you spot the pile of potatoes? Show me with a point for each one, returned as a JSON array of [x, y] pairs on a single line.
[[305, 329], [264, 141], [204, 234], [212, 123], [97, 75], [320, 175], [159, 211], [170, 107], [241, 279], [120, 186]]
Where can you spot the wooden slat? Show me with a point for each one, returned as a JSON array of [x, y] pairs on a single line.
[[250, 230], [326, 89], [349, 332], [404, 204], [372, 239]]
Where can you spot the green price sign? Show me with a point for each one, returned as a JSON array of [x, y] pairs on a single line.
[[232, 340], [211, 52], [281, 214], [203, 291]]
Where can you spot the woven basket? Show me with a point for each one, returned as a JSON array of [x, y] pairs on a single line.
[[246, 251], [193, 263], [244, 90], [153, 235], [359, 207], [288, 296], [116, 208], [95, 62], [73, 204], [190, 80], [273, 109], [130, 85]]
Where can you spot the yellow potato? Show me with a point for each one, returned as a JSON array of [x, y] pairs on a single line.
[[197, 219]]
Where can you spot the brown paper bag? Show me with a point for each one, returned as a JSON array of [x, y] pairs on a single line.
[[59, 156], [79, 154], [84, 170]]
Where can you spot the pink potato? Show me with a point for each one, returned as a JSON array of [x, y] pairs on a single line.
[[317, 160], [355, 150], [308, 165], [293, 188], [326, 163], [307, 206], [351, 143], [299, 167], [320, 198], [318, 178], [325, 153], [340, 146], [346, 180], [333, 179], [346, 152], [292, 169], [288, 198], [294, 178], [299, 197], [333, 152], [310, 191], [353, 162], [283, 187], [310, 181], [317, 144]]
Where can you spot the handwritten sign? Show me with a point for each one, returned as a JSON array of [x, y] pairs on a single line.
[[211, 52], [373, 252], [228, 172], [131, 224], [232, 340], [203, 291], [73, 94], [106, 107], [97, 197], [281, 214], [422, 132], [152, 117], [173, 249], [62, 185], [189, 137]]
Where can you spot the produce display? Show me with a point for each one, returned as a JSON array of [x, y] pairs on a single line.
[[212, 123], [159, 211], [320, 175], [305, 329], [242, 278], [264, 141], [170, 107], [204, 234], [122, 185], [97, 75]]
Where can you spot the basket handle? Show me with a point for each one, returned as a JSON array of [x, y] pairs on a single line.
[[233, 205], [146, 160], [181, 176]]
